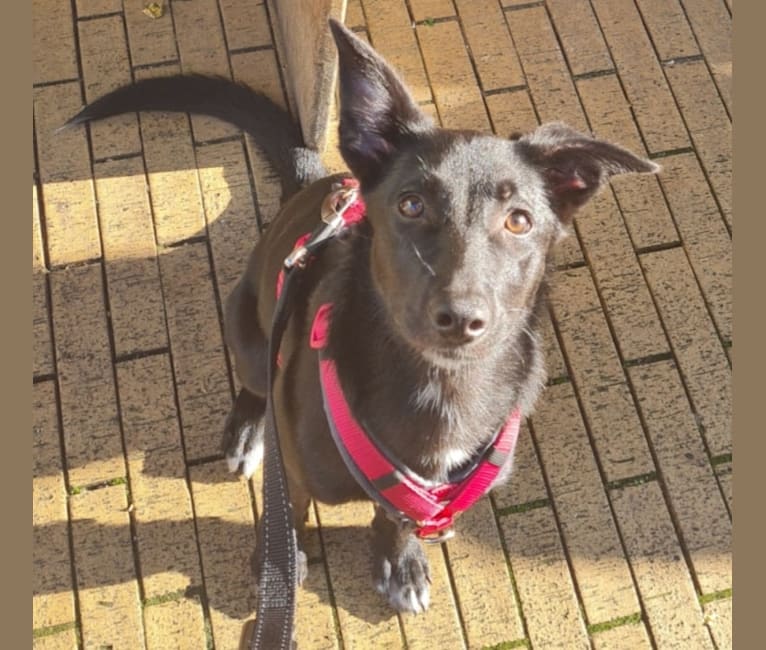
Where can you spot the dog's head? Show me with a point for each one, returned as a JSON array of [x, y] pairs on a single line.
[[463, 222]]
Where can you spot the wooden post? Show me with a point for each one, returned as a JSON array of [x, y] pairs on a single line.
[[309, 58]]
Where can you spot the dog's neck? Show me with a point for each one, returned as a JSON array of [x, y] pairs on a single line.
[[433, 418]]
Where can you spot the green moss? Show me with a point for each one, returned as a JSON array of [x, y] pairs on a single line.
[[53, 629], [507, 645], [720, 459], [717, 595], [632, 619], [632, 481], [523, 507]]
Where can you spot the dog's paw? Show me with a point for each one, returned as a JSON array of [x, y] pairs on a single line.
[[302, 567], [243, 446], [405, 580]]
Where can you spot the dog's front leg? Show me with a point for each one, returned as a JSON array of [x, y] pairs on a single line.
[[400, 566]]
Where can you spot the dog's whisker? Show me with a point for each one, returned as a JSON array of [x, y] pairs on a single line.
[[429, 268]]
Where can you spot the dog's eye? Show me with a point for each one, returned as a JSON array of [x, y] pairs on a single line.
[[518, 222], [411, 206]]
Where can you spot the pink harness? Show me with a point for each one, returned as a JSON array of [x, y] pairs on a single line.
[[431, 507]]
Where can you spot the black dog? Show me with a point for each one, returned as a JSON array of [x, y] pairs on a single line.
[[437, 294]]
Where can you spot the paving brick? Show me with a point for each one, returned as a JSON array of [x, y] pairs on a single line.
[[547, 74], [589, 532], [548, 600], [246, 24], [554, 358], [701, 358], [92, 438], [66, 640], [365, 618], [580, 36], [355, 14], [667, 593], [202, 49], [718, 616], [171, 168], [724, 473], [482, 582], [151, 41], [314, 618], [204, 394], [619, 280], [568, 252], [86, 8], [426, 9], [52, 597], [710, 128], [42, 345], [526, 483], [106, 66], [511, 112], [54, 55], [226, 534], [392, 36], [668, 28], [175, 625], [133, 278], [633, 636], [167, 546], [260, 71], [639, 196], [598, 376], [65, 176], [452, 79], [38, 257], [706, 242], [641, 75], [229, 209], [712, 27], [439, 626], [105, 570], [490, 44], [681, 457]]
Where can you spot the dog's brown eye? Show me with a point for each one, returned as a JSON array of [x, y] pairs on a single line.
[[411, 206], [518, 222]]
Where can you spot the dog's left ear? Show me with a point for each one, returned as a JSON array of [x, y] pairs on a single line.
[[575, 165], [377, 113]]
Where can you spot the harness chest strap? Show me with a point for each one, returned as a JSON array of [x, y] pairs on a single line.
[[432, 507]]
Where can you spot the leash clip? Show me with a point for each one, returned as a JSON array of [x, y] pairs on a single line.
[[334, 206]]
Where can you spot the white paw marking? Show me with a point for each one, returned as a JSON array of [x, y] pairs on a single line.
[[248, 460]]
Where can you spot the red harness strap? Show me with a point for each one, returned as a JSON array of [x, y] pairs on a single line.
[[432, 507]]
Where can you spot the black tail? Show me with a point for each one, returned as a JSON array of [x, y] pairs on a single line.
[[272, 128]]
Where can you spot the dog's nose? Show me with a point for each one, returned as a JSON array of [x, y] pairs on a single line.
[[460, 319]]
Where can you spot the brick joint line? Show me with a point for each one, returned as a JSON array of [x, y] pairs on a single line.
[[523, 507], [50, 630], [528, 5], [630, 619], [632, 481]]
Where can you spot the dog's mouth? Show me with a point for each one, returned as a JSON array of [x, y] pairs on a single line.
[[451, 358]]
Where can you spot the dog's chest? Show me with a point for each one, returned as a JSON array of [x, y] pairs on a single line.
[[455, 446]]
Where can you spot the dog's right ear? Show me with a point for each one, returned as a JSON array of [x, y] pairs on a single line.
[[377, 113]]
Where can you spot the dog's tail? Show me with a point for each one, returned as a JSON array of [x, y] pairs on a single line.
[[272, 128]]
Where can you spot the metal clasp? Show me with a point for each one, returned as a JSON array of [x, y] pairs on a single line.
[[439, 536], [334, 206]]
